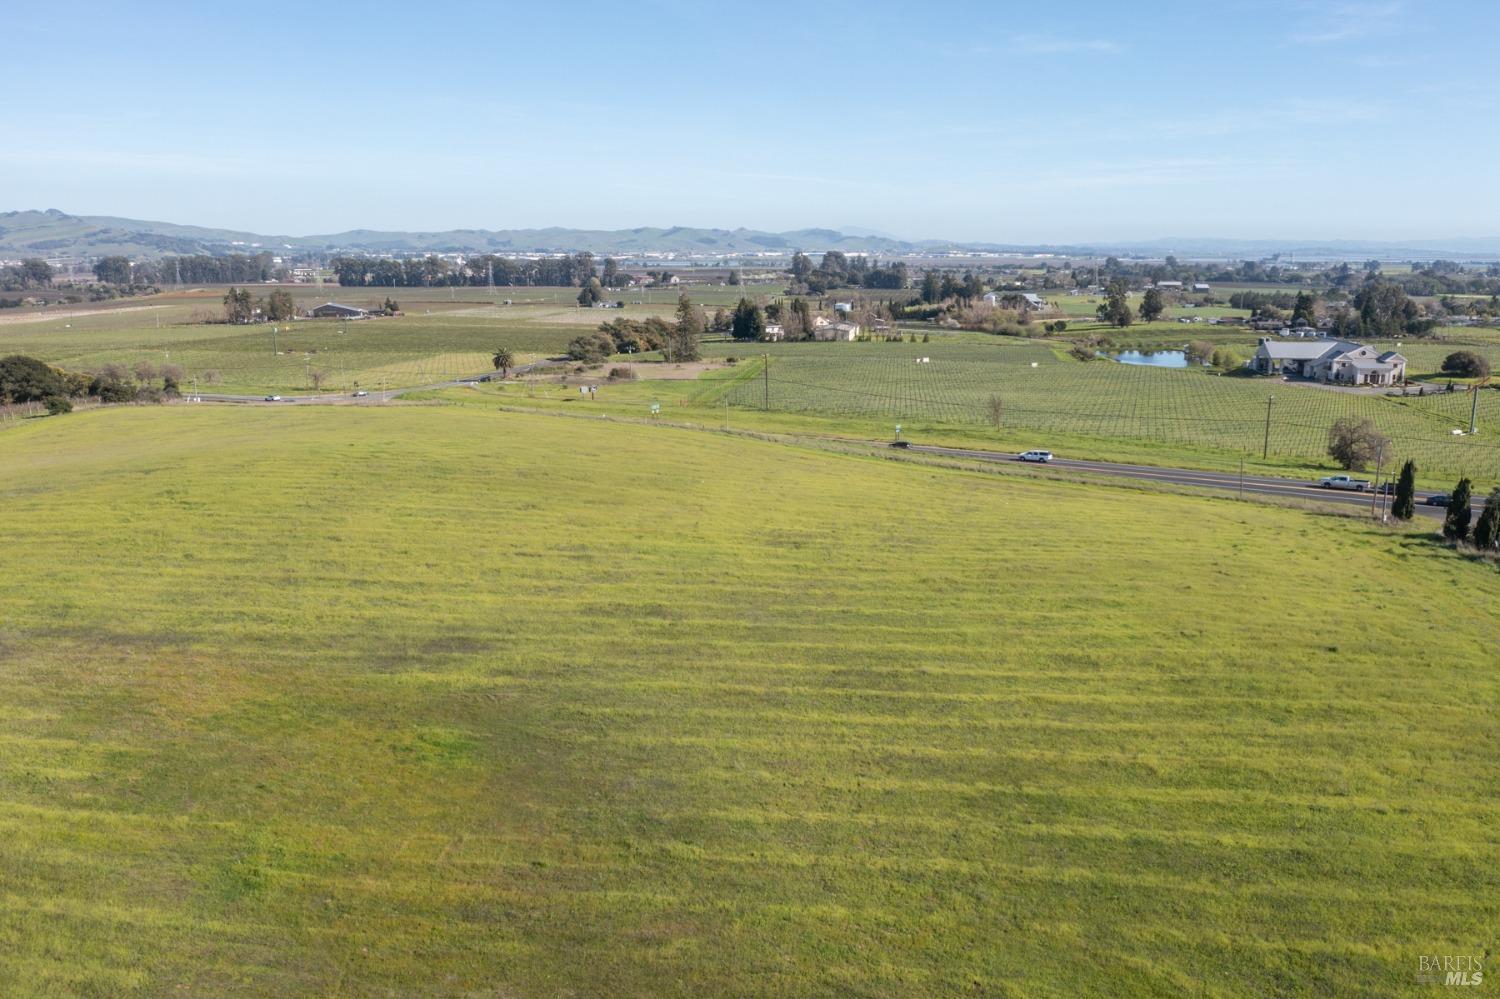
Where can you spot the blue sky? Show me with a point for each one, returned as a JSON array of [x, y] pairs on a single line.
[[1008, 122]]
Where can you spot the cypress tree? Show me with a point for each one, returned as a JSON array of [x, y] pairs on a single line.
[[1487, 530], [1456, 527], [1405, 504]]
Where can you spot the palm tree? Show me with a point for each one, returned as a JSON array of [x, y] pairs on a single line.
[[504, 361]]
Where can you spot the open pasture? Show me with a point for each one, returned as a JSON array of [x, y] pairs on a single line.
[[447, 701], [444, 333], [434, 340]]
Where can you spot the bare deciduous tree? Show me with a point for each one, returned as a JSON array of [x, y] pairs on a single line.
[[1354, 443]]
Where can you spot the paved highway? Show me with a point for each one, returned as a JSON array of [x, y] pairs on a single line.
[[1219, 481]]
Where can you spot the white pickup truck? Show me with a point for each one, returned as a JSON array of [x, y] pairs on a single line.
[[1344, 482]]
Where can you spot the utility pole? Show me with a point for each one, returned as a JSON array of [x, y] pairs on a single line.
[[1242, 475], [1379, 461], [1265, 449], [766, 372], [1473, 406]]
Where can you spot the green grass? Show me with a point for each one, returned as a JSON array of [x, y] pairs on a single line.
[[452, 701], [445, 333], [1102, 400], [431, 342]]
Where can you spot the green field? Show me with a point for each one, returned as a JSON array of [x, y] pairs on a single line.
[[445, 333], [1043, 390], [1107, 409], [444, 700]]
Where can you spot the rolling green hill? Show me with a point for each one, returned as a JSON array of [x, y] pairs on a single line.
[[452, 701]]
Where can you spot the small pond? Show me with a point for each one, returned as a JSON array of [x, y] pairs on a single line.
[[1151, 358]]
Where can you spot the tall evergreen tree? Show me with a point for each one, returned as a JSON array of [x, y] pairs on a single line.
[[1116, 310], [802, 266], [683, 344], [1152, 306], [932, 287], [749, 323], [1487, 530], [802, 318], [1405, 504], [591, 293], [1303, 312], [1456, 526]]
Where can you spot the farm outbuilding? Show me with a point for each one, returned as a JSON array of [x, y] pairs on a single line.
[[333, 310], [837, 331]]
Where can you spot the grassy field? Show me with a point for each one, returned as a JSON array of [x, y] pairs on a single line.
[[451, 701], [436, 339], [445, 333], [1111, 410]]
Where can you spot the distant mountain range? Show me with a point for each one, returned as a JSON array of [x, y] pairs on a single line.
[[53, 233]]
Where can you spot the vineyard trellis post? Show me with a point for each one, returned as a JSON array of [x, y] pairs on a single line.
[[1265, 449]]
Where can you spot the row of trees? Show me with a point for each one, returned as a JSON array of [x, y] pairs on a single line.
[[479, 271], [241, 306], [26, 379], [838, 270], [33, 272], [1485, 536], [1382, 311], [233, 268], [943, 286], [678, 341]]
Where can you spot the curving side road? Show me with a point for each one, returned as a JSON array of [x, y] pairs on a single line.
[[375, 397]]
